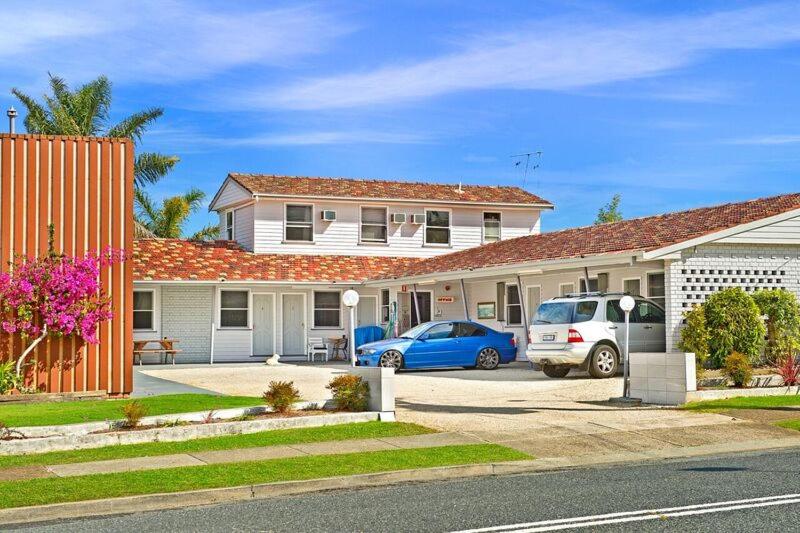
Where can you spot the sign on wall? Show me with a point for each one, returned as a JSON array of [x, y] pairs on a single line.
[[445, 299]]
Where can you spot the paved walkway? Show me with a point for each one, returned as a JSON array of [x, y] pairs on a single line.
[[237, 455], [146, 385]]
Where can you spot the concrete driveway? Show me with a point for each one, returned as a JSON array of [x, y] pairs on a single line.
[[512, 405]]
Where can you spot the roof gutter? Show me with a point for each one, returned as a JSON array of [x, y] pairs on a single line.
[[241, 282], [406, 200]]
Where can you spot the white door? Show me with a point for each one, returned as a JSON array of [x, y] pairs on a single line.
[[293, 318], [263, 324], [366, 312]]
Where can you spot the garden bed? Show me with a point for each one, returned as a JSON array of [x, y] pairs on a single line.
[[52, 397], [75, 441], [721, 394]]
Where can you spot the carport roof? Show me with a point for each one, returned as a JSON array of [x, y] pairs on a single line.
[[628, 236], [181, 260]]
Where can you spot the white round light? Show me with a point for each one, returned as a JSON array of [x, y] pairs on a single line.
[[350, 298], [627, 304]]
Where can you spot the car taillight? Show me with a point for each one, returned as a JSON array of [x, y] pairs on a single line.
[[574, 336], [514, 341]]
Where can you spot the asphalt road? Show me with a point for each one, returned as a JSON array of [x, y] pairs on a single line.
[[521, 502]]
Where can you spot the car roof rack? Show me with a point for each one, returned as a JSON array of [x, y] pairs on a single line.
[[596, 293]]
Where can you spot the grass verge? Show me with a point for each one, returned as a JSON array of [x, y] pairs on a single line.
[[745, 402], [54, 413], [54, 490], [789, 424], [339, 432]]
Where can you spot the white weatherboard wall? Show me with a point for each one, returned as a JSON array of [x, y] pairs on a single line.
[[702, 271], [662, 378], [404, 240]]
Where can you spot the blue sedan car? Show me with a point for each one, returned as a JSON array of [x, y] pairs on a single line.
[[441, 344]]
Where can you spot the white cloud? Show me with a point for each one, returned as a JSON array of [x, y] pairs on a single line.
[[549, 55], [157, 41], [766, 140]]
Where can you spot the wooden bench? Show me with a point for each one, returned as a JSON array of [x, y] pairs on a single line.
[[166, 349]]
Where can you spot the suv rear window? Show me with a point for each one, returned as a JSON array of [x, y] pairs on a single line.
[[554, 313]]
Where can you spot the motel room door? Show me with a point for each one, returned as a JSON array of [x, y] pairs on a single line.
[[294, 324], [263, 324], [367, 311]]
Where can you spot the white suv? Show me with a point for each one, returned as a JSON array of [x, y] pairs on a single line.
[[587, 331]]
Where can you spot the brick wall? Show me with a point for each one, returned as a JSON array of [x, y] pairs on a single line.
[[186, 314], [707, 269]]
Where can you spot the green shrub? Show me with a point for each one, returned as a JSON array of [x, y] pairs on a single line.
[[738, 369], [783, 323], [8, 378], [734, 324], [350, 393], [281, 396], [133, 412], [694, 337]]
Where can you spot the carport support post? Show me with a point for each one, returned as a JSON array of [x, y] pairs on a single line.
[[464, 298], [522, 307]]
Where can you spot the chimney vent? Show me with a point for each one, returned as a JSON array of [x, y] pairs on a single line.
[[12, 117]]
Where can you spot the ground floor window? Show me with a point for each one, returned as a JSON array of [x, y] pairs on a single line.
[[327, 309], [143, 309], [655, 288], [384, 306], [632, 286], [593, 285], [566, 288], [513, 306], [233, 309]]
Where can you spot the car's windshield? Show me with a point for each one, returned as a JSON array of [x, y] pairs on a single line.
[[414, 332], [554, 313]]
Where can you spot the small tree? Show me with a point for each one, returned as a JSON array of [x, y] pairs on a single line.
[[610, 212], [55, 295], [694, 336], [783, 323], [734, 325]]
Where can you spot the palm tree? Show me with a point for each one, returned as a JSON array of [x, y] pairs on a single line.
[[85, 111], [167, 221]]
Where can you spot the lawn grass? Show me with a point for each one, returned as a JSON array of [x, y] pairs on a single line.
[[54, 413], [789, 424], [53, 490], [745, 402], [339, 432]]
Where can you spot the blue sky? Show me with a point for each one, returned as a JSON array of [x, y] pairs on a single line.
[[673, 104]]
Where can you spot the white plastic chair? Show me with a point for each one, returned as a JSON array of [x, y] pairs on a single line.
[[317, 345]]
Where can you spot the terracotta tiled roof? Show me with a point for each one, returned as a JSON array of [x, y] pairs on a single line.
[[180, 260], [269, 184], [634, 235]]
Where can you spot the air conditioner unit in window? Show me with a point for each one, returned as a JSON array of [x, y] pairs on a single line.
[[399, 218], [418, 219], [328, 215]]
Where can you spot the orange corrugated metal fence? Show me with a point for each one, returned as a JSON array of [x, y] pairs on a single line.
[[84, 187]]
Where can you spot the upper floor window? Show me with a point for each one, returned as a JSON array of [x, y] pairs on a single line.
[[437, 227], [491, 227], [373, 224], [229, 217], [233, 309], [143, 309], [299, 225]]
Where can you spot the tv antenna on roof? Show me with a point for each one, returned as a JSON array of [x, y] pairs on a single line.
[[527, 156]]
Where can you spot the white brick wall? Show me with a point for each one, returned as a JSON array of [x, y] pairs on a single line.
[[186, 316], [702, 271]]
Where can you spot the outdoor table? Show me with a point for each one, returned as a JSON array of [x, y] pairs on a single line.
[[166, 348]]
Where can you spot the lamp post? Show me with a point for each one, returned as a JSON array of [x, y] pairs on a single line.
[[350, 300], [627, 304]]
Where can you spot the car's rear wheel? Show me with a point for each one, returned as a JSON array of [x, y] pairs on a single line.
[[391, 359], [604, 362], [553, 371], [488, 359]]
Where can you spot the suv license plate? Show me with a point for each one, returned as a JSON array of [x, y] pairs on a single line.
[[548, 337]]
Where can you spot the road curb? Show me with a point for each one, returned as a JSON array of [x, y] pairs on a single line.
[[177, 500]]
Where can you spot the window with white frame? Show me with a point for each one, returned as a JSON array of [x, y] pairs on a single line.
[[385, 306], [566, 288], [513, 306], [373, 224], [437, 227], [327, 309], [143, 310], [299, 224], [655, 288], [229, 218], [491, 227], [632, 286], [233, 309], [593, 286]]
